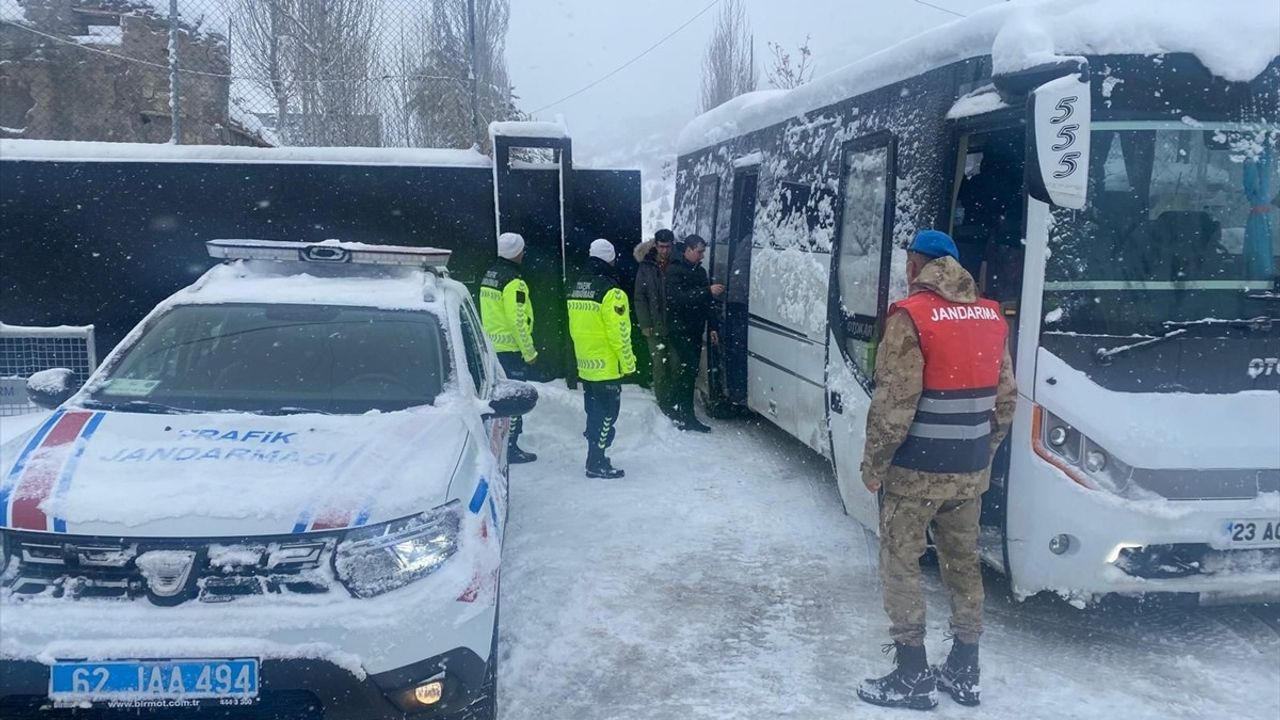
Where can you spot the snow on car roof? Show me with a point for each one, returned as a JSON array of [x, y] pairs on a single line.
[[156, 152], [263, 281], [1235, 39]]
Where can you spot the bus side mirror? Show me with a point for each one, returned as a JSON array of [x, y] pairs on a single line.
[[1059, 115]]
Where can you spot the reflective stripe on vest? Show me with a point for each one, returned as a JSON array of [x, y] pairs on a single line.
[[963, 346]]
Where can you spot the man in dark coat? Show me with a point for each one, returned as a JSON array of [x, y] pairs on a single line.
[[689, 312], [650, 302]]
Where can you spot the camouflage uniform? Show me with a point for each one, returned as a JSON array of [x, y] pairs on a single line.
[[912, 498]]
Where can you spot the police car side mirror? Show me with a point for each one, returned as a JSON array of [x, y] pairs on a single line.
[[512, 398], [50, 388]]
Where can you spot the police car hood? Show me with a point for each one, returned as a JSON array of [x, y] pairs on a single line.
[[224, 475]]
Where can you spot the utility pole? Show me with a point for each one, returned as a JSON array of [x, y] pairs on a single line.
[[475, 109], [175, 123]]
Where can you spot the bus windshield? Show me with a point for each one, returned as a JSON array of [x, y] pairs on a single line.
[[1180, 227]]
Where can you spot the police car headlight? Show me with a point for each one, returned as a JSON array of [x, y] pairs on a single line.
[[378, 559], [1082, 459]]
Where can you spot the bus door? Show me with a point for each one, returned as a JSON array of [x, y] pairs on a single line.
[[858, 301], [737, 286], [987, 222]]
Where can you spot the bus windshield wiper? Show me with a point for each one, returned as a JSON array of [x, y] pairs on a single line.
[[1175, 328], [136, 406], [1103, 355], [1261, 323]]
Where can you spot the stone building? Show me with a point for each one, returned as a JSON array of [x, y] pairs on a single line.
[[80, 86]]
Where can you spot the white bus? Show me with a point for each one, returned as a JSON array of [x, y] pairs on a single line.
[[1110, 174]]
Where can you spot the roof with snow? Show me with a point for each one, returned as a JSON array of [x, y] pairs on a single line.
[[528, 129], [153, 152], [1235, 39]]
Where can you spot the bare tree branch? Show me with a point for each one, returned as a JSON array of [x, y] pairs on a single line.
[[784, 75], [728, 67], [314, 57]]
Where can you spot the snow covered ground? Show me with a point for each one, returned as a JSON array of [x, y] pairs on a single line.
[[720, 579]]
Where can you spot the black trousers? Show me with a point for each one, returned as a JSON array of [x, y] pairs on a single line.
[[602, 401], [516, 369], [686, 353]]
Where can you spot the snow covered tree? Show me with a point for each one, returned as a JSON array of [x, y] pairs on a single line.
[[729, 67], [785, 75], [315, 58], [436, 100]]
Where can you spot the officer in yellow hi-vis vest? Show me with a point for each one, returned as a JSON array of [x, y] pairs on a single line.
[[507, 316], [600, 325]]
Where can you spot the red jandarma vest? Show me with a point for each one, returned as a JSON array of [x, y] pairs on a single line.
[[963, 345]]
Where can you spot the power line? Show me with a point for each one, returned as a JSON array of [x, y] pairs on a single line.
[[628, 63], [939, 7]]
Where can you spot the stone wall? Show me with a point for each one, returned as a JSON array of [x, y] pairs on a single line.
[[63, 90]]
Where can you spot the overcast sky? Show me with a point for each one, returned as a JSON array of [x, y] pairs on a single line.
[[555, 47]]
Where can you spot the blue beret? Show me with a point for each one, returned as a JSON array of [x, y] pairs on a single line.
[[935, 244]]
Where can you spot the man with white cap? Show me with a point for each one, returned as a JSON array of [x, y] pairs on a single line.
[[600, 325], [507, 315]]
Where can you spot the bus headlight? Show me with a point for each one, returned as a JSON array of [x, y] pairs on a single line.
[[1058, 436], [1095, 461], [378, 559], [1084, 460]]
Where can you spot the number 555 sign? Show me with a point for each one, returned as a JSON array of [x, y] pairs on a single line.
[[1060, 114]]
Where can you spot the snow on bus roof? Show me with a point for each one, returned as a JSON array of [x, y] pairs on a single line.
[[64, 150], [1235, 39]]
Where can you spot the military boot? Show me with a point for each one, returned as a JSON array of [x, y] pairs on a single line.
[[959, 675], [910, 685], [598, 466]]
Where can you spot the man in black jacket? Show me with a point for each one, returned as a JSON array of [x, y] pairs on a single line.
[[650, 302], [689, 295]]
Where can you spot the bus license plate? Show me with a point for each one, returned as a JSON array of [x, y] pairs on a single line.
[[155, 680], [1253, 532]]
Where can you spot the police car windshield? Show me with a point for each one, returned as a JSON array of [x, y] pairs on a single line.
[[280, 359]]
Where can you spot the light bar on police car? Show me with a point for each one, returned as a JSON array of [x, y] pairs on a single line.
[[329, 251]]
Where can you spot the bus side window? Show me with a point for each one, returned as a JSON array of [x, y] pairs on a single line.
[[707, 208]]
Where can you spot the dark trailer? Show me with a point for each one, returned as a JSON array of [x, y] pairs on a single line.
[[98, 233]]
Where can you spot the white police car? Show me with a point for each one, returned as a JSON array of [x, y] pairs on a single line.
[[283, 495]]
